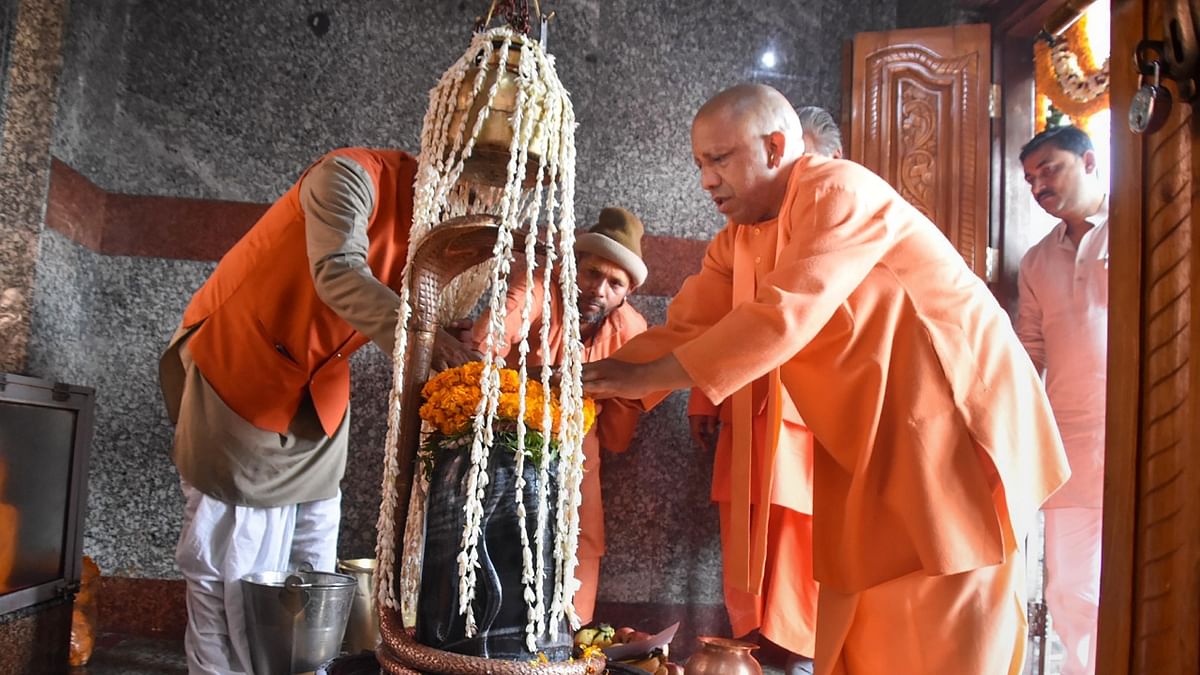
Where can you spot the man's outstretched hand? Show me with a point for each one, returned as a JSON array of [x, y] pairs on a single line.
[[617, 379], [449, 350]]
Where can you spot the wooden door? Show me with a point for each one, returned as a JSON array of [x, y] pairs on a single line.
[[1150, 583], [919, 118]]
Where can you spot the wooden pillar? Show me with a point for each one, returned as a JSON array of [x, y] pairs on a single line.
[[1150, 589]]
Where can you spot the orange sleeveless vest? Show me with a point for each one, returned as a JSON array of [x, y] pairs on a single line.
[[265, 337]]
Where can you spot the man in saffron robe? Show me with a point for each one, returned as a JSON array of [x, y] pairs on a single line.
[[610, 267], [785, 611], [933, 444]]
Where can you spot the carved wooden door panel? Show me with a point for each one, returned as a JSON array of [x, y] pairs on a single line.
[[919, 118]]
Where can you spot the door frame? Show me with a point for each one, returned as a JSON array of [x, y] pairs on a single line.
[[1015, 26]]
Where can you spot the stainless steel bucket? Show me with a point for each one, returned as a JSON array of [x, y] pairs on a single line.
[[295, 622], [362, 631]]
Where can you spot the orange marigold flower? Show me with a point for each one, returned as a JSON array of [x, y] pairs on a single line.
[[452, 399]]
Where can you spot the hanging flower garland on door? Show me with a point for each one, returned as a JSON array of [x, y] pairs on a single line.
[[1066, 73]]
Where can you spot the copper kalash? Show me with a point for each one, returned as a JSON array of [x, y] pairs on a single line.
[[495, 182]]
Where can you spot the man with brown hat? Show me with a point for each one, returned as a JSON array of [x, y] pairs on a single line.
[[609, 267]]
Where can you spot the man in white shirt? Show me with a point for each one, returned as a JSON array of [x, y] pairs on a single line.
[[1062, 320]]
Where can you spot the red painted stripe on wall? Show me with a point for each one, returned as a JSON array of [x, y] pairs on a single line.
[[75, 206], [204, 229]]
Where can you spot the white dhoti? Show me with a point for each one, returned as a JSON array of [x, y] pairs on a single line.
[[221, 543], [1073, 583]]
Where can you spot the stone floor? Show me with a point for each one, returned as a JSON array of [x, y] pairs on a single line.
[[121, 655]]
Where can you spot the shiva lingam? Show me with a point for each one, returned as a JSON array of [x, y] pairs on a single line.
[[476, 558]]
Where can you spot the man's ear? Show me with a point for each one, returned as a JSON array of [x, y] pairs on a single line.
[[1089, 161], [776, 143]]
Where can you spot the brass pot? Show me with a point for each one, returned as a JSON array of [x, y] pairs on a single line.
[[362, 629], [722, 656], [488, 163]]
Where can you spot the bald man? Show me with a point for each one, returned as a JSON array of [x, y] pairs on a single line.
[[784, 609], [933, 444]]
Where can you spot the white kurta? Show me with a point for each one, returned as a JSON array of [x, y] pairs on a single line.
[[1062, 320]]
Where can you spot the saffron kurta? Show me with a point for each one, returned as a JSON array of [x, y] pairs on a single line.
[[784, 609], [930, 425], [615, 419]]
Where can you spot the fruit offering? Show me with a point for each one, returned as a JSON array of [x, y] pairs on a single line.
[[594, 636], [652, 660]]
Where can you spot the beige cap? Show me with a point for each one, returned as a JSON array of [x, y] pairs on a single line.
[[616, 237]]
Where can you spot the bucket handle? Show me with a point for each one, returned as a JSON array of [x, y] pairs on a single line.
[[293, 596]]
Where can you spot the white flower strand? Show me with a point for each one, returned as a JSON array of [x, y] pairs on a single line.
[[547, 369], [439, 196], [571, 398], [424, 208], [530, 215], [511, 216], [386, 525], [485, 414], [414, 544]]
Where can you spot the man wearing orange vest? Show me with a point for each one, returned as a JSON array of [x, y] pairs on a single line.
[[610, 267], [933, 443], [785, 611], [257, 382]]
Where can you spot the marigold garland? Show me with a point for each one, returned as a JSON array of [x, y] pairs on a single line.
[[1066, 74], [452, 398]]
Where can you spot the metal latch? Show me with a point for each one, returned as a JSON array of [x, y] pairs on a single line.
[[991, 265], [62, 391], [1037, 619]]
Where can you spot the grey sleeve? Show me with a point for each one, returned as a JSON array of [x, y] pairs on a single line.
[[337, 196]]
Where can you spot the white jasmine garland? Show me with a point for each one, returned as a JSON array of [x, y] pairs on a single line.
[[528, 572], [414, 545], [1076, 84], [540, 625], [386, 525], [485, 415], [542, 111]]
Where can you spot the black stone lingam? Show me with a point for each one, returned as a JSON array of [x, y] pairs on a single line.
[[499, 605]]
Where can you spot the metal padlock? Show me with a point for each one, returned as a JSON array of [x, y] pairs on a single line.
[[1151, 104]]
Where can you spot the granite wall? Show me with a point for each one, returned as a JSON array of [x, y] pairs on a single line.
[[30, 59], [209, 100]]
